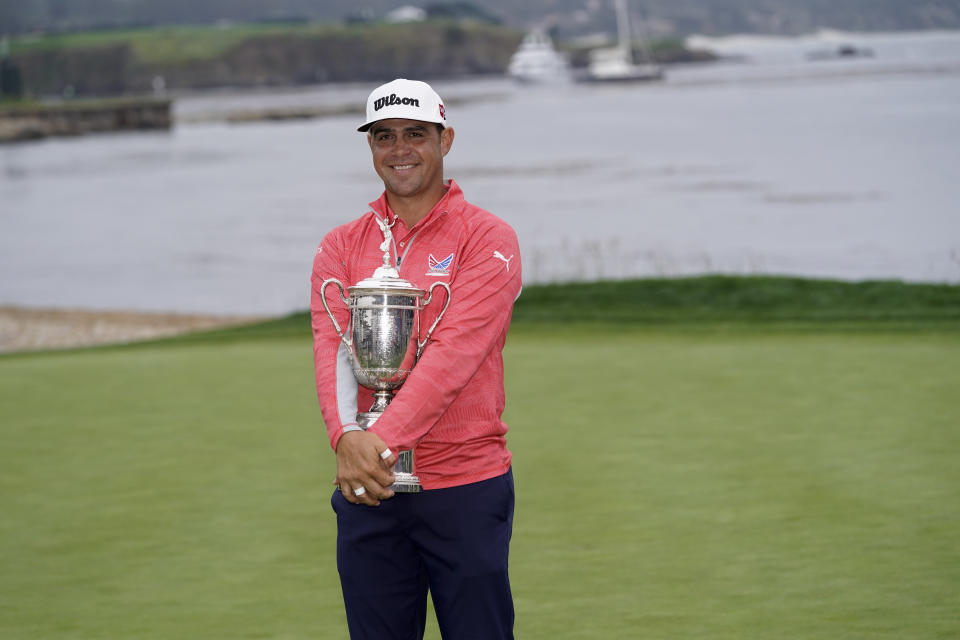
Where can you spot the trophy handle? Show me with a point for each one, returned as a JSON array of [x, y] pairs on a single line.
[[323, 298], [421, 345]]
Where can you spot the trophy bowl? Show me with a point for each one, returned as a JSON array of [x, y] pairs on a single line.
[[383, 323]]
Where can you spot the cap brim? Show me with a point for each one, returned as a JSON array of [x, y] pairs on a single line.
[[366, 127]]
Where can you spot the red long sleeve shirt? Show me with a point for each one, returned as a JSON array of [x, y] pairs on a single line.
[[449, 409]]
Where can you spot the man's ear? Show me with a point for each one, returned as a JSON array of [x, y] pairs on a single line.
[[446, 140]]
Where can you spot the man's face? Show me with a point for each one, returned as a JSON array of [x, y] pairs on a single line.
[[408, 155]]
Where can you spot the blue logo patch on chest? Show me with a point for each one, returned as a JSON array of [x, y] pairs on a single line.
[[439, 267]]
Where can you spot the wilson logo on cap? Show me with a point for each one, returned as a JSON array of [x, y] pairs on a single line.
[[392, 99]]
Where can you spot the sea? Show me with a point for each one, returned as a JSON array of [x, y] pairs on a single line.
[[782, 158]]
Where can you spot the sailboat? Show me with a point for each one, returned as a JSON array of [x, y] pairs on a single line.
[[616, 64]]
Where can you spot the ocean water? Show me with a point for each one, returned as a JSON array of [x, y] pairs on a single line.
[[766, 163]]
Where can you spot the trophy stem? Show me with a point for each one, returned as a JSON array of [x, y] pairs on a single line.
[[380, 401]]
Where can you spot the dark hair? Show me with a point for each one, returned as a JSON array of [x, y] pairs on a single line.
[[438, 125]]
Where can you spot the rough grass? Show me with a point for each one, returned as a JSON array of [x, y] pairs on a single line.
[[780, 301], [748, 483], [707, 303]]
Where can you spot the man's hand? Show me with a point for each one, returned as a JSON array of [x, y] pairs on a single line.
[[360, 463]]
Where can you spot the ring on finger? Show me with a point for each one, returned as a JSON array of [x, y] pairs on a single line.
[[359, 491], [386, 453]]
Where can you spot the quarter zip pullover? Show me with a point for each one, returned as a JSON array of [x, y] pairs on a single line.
[[449, 409]]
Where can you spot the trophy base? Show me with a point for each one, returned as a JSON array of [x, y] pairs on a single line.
[[404, 479]]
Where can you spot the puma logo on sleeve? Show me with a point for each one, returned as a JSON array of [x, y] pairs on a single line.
[[497, 254]]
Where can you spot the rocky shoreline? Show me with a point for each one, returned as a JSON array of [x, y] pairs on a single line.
[[24, 329]]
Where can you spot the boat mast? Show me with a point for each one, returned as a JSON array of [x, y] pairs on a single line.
[[624, 40]]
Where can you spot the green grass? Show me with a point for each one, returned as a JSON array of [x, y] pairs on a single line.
[[708, 303], [183, 44], [15, 107], [746, 486], [764, 482], [767, 301], [166, 44], [165, 493], [9, 104]]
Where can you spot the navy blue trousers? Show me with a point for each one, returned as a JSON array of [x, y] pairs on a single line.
[[453, 542]]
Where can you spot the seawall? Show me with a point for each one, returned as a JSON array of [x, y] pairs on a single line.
[[28, 122]]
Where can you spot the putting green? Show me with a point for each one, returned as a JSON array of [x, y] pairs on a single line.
[[742, 484], [746, 486]]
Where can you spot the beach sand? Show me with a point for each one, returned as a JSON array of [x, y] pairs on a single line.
[[25, 329]]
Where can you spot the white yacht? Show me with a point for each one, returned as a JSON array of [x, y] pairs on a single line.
[[536, 60]]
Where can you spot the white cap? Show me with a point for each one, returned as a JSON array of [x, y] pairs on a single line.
[[407, 99]]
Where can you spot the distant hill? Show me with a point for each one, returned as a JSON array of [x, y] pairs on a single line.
[[140, 61], [567, 17]]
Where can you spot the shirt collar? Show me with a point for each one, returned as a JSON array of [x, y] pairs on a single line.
[[450, 201]]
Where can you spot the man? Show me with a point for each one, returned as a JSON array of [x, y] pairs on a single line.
[[453, 537]]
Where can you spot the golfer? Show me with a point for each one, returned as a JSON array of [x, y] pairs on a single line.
[[452, 539]]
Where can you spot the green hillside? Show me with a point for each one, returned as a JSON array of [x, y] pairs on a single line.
[[109, 62]]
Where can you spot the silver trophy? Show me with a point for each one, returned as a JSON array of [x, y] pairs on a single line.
[[384, 340]]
